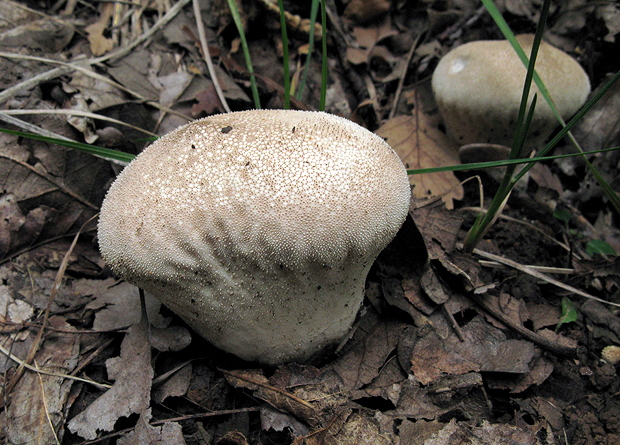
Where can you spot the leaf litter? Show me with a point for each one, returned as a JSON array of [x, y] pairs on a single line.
[[449, 348]]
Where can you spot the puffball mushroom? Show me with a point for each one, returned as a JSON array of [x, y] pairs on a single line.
[[478, 88], [258, 228]]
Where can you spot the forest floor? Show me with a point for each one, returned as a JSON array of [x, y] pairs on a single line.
[[499, 346]]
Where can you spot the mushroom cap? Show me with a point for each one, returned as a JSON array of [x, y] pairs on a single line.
[[258, 227], [478, 88]]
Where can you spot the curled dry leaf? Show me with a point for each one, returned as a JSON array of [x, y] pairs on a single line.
[[366, 40], [420, 144]]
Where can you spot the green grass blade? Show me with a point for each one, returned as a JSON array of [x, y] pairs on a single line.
[[106, 153], [609, 192], [505, 29], [323, 57], [246, 51], [523, 121], [313, 15], [493, 164], [509, 35], [287, 78], [478, 231], [117, 155]]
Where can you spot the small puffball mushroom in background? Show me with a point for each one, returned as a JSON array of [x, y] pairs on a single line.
[[258, 228], [478, 88], [611, 354]]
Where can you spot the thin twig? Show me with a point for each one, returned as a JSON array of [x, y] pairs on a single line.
[[523, 331], [44, 401], [50, 373], [235, 375], [207, 56], [225, 412], [92, 356], [20, 326], [401, 81], [87, 71], [33, 81], [543, 269], [42, 243], [162, 378], [37, 341], [80, 113], [31, 127], [518, 221], [121, 52], [538, 275]]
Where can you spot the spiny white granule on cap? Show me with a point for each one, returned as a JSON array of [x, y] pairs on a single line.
[[258, 227]]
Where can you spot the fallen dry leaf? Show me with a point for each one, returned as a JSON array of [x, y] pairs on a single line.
[[420, 144], [133, 70], [366, 40], [207, 103], [438, 226], [98, 94], [170, 433], [459, 433], [415, 402], [99, 44], [374, 340], [15, 13], [176, 386], [56, 189], [386, 385], [11, 220], [131, 392], [117, 305], [484, 348], [353, 428], [36, 397], [49, 34]]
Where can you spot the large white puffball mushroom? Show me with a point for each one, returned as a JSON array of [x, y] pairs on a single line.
[[478, 88], [258, 228]]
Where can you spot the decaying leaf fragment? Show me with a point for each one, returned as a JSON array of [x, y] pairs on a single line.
[[99, 44], [131, 392], [420, 144], [40, 399]]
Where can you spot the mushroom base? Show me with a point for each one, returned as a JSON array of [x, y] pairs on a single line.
[[294, 320]]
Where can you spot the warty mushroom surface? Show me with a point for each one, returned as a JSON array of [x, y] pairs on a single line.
[[258, 228]]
